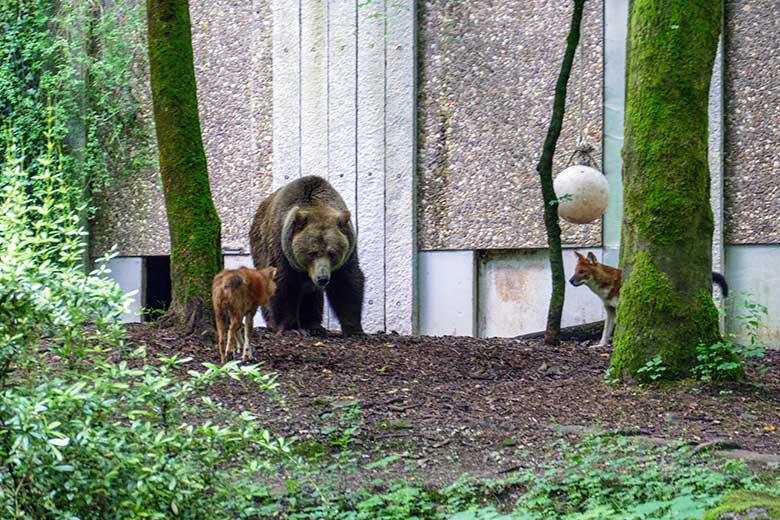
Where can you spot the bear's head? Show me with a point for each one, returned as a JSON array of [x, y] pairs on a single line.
[[317, 240]]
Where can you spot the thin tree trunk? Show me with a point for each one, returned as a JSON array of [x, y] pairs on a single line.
[[666, 306], [192, 219], [551, 222]]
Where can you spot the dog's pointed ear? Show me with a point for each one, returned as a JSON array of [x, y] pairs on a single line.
[[579, 255], [270, 272], [592, 258]]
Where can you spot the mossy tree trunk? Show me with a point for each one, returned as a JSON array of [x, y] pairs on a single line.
[[666, 306], [551, 221], [193, 221]]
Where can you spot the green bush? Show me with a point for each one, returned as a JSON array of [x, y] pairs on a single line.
[[71, 69], [88, 429], [724, 361]]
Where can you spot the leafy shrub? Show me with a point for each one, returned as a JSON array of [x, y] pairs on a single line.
[[89, 430], [724, 361], [70, 69], [653, 370], [604, 478], [613, 478]]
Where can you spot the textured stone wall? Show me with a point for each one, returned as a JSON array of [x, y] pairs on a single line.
[[232, 42], [487, 75], [752, 162]]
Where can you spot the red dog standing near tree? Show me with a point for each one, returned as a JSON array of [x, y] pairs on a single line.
[[236, 293]]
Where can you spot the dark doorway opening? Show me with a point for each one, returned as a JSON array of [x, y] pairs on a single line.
[[157, 286]]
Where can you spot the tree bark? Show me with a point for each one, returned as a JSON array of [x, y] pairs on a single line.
[[666, 306], [193, 221], [551, 221]]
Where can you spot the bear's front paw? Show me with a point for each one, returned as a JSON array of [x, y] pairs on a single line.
[[317, 330], [352, 332], [292, 332]]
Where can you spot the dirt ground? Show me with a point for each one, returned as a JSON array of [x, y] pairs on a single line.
[[448, 405]]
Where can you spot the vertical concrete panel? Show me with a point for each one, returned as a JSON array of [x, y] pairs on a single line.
[[371, 159], [342, 100], [752, 274], [514, 292], [128, 273], [615, 31], [342, 108], [400, 207], [314, 87], [286, 91], [447, 288]]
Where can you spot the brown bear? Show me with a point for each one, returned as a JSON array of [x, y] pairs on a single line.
[[304, 230]]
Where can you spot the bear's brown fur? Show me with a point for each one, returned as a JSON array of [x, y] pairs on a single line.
[[304, 230]]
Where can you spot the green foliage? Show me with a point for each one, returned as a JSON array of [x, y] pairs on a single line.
[[67, 69], [613, 478], [717, 362], [87, 429], [653, 369], [604, 478], [343, 422], [724, 360]]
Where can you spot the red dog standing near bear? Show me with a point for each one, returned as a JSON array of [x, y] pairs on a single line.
[[235, 294]]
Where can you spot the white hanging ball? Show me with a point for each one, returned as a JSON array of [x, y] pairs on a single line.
[[582, 192]]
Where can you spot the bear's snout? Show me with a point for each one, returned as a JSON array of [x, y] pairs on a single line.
[[319, 273]]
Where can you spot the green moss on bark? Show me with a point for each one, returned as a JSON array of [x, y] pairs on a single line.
[[656, 320], [666, 250], [192, 219], [745, 502]]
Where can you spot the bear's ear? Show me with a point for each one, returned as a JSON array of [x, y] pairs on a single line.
[[299, 220], [592, 258], [343, 218]]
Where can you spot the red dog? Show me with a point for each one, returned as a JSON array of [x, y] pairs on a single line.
[[606, 281], [236, 293]]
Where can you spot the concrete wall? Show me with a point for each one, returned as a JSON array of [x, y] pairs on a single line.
[[496, 293], [615, 33], [232, 44], [752, 115], [487, 81], [329, 88], [128, 273], [448, 293], [753, 277], [514, 293]]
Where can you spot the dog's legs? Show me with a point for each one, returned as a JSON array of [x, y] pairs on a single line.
[[218, 318], [609, 326], [235, 323], [248, 326]]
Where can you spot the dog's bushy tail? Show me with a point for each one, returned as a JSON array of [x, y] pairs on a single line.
[[721, 281]]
